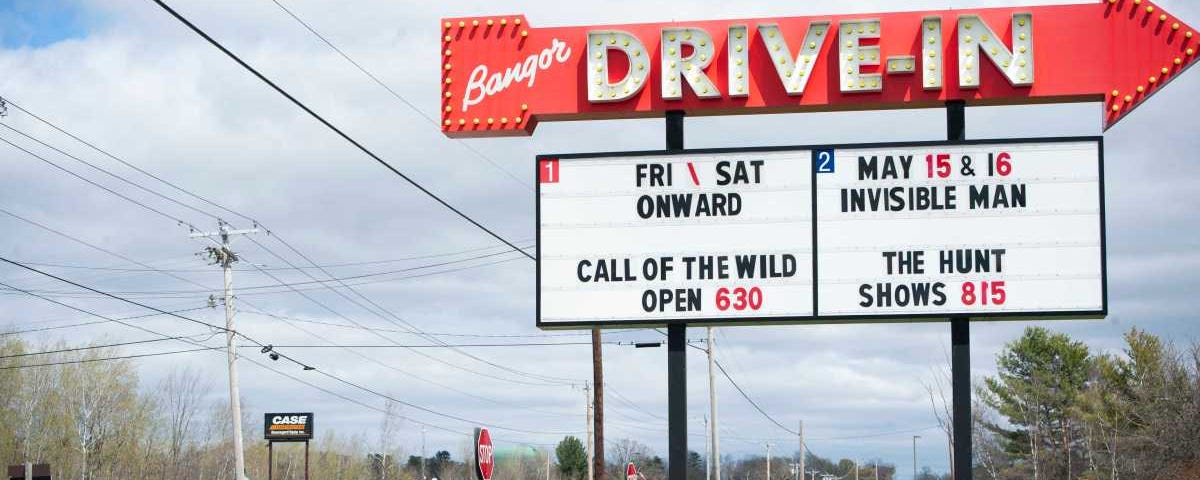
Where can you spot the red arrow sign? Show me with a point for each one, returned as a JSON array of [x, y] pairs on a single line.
[[501, 76]]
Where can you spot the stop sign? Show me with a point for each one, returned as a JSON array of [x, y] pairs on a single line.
[[631, 471], [485, 459]]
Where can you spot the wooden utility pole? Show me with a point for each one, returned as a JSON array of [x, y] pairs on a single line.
[[225, 257], [598, 418], [591, 463]]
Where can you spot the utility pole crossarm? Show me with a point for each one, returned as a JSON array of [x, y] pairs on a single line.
[[245, 231]]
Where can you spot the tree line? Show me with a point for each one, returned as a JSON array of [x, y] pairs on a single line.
[[1055, 409]]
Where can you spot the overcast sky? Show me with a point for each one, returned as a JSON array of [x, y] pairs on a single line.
[[126, 76]]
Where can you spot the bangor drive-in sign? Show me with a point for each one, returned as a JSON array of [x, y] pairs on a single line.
[[288, 427], [501, 76], [886, 232]]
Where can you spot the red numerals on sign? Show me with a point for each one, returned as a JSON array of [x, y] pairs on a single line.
[[938, 164], [984, 293], [548, 171], [739, 298], [1000, 164]]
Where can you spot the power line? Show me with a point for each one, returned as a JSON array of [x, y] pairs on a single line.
[[752, 402], [441, 334], [338, 131], [405, 372], [253, 288], [97, 185], [456, 345], [108, 319], [118, 255], [252, 340], [381, 336], [742, 392], [105, 359], [280, 239], [275, 288], [122, 162], [393, 318], [110, 345], [114, 297], [343, 284], [393, 92], [106, 172], [434, 412], [328, 265], [351, 400], [81, 324]]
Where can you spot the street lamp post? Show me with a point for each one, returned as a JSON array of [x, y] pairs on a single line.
[[915, 437]]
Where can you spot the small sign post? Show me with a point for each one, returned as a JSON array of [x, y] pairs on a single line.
[[287, 427]]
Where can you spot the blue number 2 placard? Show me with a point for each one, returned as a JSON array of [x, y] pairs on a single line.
[[824, 161]]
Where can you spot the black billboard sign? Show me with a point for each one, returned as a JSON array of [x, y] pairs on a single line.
[[288, 427]]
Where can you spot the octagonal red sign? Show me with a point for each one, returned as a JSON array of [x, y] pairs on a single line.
[[485, 459]]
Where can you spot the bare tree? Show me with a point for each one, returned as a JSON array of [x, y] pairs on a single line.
[[388, 426], [943, 407], [180, 394]]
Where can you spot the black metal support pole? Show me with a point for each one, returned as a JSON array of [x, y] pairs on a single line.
[[675, 130], [306, 460], [270, 460], [960, 355], [956, 120], [677, 450], [677, 403], [960, 340]]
